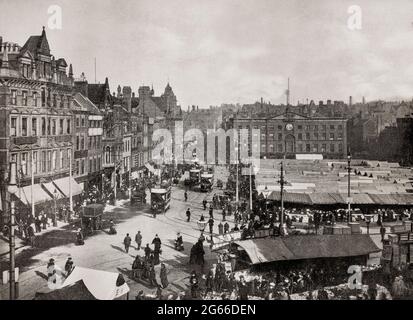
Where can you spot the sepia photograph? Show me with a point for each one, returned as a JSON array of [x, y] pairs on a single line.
[[223, 151]]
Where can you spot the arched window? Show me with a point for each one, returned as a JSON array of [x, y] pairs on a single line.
[[107, 154]]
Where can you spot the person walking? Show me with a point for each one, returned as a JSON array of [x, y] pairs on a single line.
[[152, 276], [163, 276], [188, 215], [127, 241], [220, 228], [186, 196], [157, 243], [224, 213], [193, 281], [211, 225], [147, 251], [204, 204], [382, 232], [138, 240], [226, 227], [69, 266], [211, 211], [30, 235]]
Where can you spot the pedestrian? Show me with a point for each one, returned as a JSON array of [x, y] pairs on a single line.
[[193, 281], [223, 214], [79, 238], [186, 196], [211, 225], [127, 241], [38, 224], [204, 204], [209, 282], [382, 232], [51, 271], [220, 228], [226, 227], [147, 251], [163, 276], [188, 215], [44, 221], [30, 235], [69, 266], [211, 211], [138, 240], [152, 276], [157, 243], [137, 268]]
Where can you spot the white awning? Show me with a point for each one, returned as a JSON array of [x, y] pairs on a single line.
[[39, 195], [51, 188], [64, 184]]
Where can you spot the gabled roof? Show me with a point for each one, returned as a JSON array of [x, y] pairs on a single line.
[[290, 115], [37, 44], [85, 104]]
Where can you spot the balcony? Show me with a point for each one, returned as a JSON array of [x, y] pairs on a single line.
[[24, 140]]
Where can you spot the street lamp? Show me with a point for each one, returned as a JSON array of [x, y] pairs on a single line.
[[55, 208], [266, 192], [348, 187], [12, 189]]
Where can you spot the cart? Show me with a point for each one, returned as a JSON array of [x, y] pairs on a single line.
[[160, 199], [207, 180], [91, 217]]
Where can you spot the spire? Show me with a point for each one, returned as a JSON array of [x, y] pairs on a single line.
[[70, 71]]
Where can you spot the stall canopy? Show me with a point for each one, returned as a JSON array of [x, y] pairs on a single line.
[[89, 284], [63, 185], [39, 195], [322, 199], [307, 247]]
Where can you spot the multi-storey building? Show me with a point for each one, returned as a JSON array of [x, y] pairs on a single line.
[[35, 111], [289, 133], [88, 122]]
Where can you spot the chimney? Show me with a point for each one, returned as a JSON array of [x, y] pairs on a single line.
[[350, 101], [127, 98], [364, 100], [320, 103], [329, 102]]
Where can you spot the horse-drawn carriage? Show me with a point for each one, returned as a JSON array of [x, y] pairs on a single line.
[[160, 199]]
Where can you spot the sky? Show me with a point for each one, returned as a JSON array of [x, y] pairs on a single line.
[[230, 51]]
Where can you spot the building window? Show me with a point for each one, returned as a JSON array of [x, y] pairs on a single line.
[[332, 127], [77, 142], [13, 126], [300, 127], [13, 157], [331, 135], [24, 127], [62, 101], [307, 147], [13, 98], [82, 166], [69, 128], [307, 136], [24, 98], [90, 165], [316, 135], [315, 127], [48, 126], [83, 121], [332, 148], [280, 136], [77, 167], [54, 160], [43, 169], [323, 147], [43, 97], [300, 136], [35, 99], [61, 126], [82, 142], [300, 147], [62, 159], [77, 121], [55, 100], [23, 163], [34, 127], [307, 128], [315, 147], [34, 159], [323, 136], [54, 127], [280, 147], [340, 147], [49, 161], [340, 127], [43, 126], [340, 136], [69, 157], [107, 155], [323, 127]]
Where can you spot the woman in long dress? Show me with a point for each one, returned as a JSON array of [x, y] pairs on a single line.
[[163, 276]]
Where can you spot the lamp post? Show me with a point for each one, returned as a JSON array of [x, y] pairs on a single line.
[[282, 182], [55, 208], [266, 192], [348, 187], [12, 189]]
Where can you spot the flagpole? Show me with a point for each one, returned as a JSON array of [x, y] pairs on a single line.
[[31, 188], [251, 186], [70, 182]]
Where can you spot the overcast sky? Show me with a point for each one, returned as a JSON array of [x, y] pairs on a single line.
[[228, 51]]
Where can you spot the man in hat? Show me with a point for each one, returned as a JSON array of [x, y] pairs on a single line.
[[211, 225], [188, 215], [226, 227], [127, 241], [157, 243], [147, 251]]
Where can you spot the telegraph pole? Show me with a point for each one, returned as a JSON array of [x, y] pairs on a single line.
[[282, 183], [12, 266], [348, 186]]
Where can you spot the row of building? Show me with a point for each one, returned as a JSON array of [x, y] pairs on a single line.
[[54, 125]]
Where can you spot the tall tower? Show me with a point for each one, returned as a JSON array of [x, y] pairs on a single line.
[[287, 92]]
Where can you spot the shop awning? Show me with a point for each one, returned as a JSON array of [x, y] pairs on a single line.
[[51, 188], [307, 247], [361, 198], [39, 195], [64, 185]]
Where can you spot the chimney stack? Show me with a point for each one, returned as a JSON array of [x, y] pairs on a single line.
[[350, 101]]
